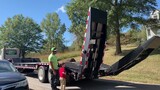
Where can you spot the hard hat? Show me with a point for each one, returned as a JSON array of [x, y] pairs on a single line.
[[53, 49]]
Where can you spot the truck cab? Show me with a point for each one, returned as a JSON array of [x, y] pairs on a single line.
[[8, 53]]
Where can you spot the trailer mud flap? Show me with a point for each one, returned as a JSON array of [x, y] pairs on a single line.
[[134, 57]]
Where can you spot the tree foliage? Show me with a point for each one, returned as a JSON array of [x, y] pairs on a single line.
[[142, 34], [23, 33], [77, 12], [121, 13], [54, 31]]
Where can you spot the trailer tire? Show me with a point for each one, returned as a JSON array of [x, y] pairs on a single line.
[[42, 74], [72, 60]]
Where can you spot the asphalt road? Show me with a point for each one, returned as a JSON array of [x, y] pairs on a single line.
[[99, 84]]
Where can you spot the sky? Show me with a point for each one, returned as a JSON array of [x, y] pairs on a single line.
[[37, 10]]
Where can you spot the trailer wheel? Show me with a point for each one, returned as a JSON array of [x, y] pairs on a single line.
[[42, 74], [72, 60]]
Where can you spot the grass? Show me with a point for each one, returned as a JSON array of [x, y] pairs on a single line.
[[148, 71], [61, 56]]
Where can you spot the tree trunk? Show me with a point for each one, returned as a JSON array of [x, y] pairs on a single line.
[[23, 54], [118, 42]]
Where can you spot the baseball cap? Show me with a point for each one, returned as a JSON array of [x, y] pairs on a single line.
[[53, 49]]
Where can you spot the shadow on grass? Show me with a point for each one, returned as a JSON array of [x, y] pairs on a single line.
[[156, 51]]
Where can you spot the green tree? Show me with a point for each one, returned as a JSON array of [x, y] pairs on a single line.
[[77, 12], [23, 33], [54, 31], [60, 39], [142, 34], [121, 13], [133, 36]]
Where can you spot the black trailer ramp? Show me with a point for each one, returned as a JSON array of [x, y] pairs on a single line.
[[134, 57], [98, 35], [93, 49]]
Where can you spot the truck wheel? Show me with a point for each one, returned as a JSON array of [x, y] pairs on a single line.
[[42, 74]]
